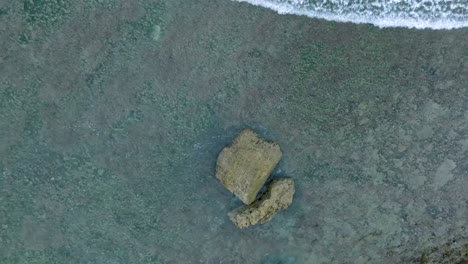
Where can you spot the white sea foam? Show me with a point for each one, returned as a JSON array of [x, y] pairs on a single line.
[[433, 14]]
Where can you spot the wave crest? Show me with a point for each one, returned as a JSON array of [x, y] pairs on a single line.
[[433, 14]]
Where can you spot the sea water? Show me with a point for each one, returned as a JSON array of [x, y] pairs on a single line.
[[433, 14]]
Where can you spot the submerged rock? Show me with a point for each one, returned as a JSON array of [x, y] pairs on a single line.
[[278, 197], [244, 167]]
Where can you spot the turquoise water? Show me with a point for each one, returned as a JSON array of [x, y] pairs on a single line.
[[434, 14]]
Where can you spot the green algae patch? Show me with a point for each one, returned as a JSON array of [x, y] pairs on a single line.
[[45, 12]]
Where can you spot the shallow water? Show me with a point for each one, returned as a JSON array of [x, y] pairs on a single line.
[[112, 114]]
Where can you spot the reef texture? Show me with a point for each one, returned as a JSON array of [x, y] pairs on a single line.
[[277, 198], [244, 167]]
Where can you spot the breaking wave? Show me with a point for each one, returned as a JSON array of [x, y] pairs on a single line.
[[433, 14]]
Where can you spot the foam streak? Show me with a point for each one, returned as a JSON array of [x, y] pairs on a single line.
[[420, 14]]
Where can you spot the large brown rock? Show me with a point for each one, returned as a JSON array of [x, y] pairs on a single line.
[[244, 167], [278, 197]]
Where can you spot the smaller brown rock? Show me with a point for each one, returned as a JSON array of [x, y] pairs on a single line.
[[278, 197]]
